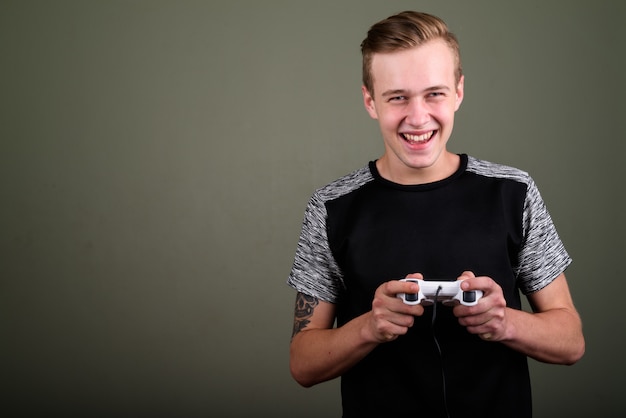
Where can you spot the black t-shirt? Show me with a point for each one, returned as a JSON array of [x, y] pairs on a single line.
[[363, 230]]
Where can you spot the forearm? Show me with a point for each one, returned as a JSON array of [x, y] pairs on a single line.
[[553, 336], [318, 355]]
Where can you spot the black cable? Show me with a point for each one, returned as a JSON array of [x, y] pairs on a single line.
[[443, 372]]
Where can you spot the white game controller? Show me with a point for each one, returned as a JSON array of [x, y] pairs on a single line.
[[449, 293]]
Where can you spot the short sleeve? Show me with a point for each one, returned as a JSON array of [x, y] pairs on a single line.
[[314, 271], [543, 256]]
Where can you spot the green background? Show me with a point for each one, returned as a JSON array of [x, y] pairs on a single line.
[[155, 162]]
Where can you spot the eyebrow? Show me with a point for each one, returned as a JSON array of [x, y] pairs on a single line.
[[395, 92]]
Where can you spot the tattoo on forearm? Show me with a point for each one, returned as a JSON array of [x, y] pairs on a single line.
[[305, 305]]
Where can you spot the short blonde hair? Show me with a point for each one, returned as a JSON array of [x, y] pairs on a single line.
[[403, 31]]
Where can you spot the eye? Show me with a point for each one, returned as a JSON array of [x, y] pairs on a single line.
[[436, 94], [398, 99]]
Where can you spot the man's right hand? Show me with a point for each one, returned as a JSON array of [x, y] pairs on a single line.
[[390, 317]]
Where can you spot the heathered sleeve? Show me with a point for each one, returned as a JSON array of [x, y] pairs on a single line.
[[543, 256], [314, 271]]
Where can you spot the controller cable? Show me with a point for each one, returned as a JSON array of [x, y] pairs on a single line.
[[443, 372]]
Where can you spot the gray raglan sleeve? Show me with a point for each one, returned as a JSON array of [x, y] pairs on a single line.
[[314, 270], [543, 256]]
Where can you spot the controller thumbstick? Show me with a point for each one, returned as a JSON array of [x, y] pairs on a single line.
[[411, 297], [469, 296]]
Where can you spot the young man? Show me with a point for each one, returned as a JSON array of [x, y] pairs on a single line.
[[421, 211]]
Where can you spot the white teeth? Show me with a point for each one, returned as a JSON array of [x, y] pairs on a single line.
[[419, 138]]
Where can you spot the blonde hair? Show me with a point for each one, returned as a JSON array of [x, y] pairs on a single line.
[[403, 31]]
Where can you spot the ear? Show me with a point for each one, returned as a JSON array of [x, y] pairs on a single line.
[[369, 103], [459, 93]]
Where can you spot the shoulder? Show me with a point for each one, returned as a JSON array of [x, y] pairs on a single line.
[[317, 208], [344, 185], [495, 170]]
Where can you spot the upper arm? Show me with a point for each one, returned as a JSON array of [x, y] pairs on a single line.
[[312, 313], [556, 295]]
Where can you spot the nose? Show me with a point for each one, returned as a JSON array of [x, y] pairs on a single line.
[[418, 113]]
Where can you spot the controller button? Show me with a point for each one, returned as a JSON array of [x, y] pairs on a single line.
[[411, 297], [469, 296]]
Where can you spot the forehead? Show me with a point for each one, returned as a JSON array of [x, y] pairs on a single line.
[[418, 68]]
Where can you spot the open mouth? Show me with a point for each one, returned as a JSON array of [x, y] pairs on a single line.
[[418, 139]]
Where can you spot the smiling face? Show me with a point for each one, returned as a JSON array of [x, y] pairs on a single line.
[[415, 96]]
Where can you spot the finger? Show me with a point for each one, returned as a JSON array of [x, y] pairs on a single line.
[[393, 287], [483, 283], [415, 276], [466, 275]]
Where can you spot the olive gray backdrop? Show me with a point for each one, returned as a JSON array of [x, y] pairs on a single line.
[[156, 158]]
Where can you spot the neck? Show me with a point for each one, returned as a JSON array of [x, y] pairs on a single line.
[[446, 165]]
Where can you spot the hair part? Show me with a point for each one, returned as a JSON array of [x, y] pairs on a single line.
[[404, 31]]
